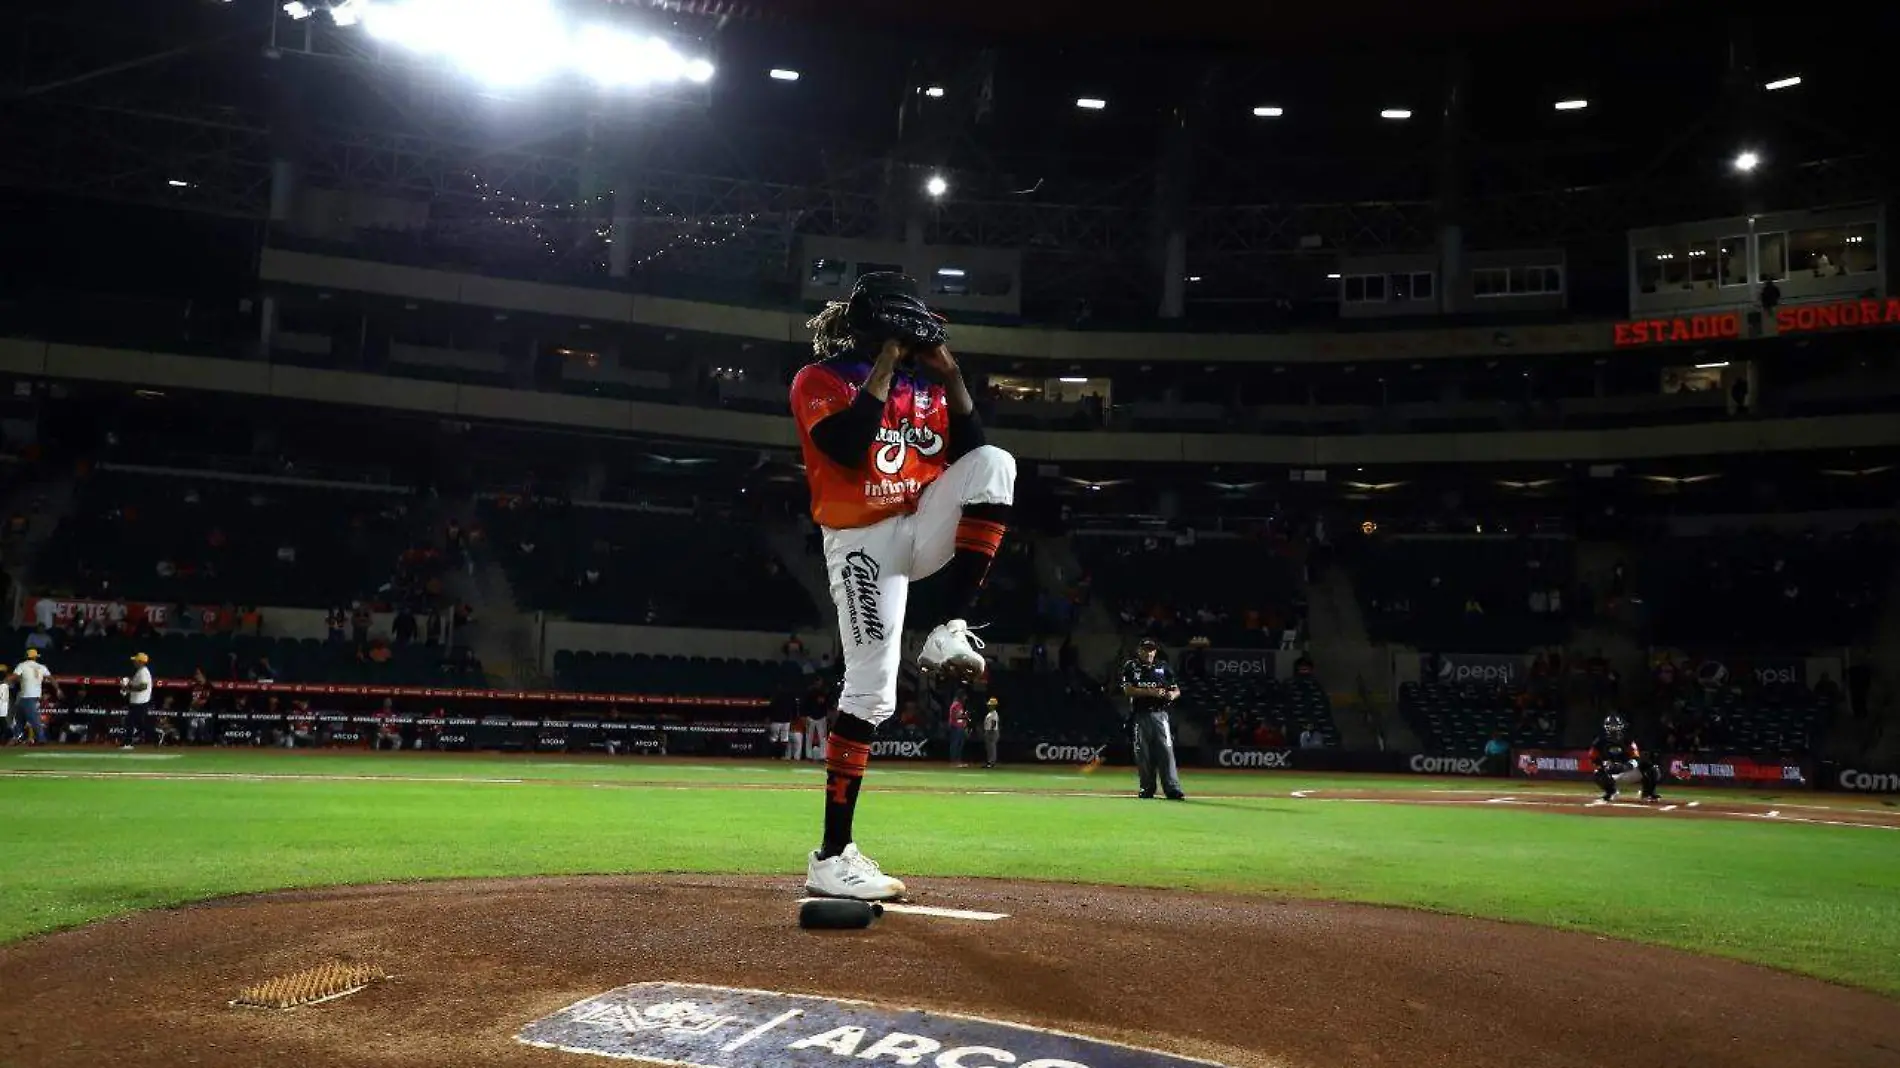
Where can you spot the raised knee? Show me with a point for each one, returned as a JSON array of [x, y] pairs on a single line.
[[991, 458]]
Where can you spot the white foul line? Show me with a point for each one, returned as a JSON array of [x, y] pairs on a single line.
[[761, 1029]]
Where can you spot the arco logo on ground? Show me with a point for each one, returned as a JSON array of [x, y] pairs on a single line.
[[724, 1027]]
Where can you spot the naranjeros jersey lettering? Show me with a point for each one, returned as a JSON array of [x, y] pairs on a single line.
[[911, 449], [1135, 673]]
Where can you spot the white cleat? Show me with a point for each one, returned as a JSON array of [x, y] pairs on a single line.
[[953, 647], [850, 874]]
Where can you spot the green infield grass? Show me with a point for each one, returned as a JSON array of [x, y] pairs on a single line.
[[95, 832]]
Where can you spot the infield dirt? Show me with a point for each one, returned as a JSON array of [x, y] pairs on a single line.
[[1249, 982]]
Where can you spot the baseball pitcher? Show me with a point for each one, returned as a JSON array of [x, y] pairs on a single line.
[[902, 486]]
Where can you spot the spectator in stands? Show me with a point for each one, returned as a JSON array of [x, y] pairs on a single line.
[[1827, 690], [44, 613], [432, 629], [40, 641], [359, 623], [1311, 738], [199, 724], [95, 627], [793, 650], [403, 627], [992, 732], [1497, 755], [263, 670], [464, 617], [1270, 736], [302, 726], [388, 731], [1303, 666], [165, 727], [251, 621]]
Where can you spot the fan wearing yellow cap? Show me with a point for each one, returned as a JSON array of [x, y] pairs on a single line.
[[137, 688]]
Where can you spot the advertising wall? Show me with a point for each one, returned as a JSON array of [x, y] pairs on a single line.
[[1456, 668], [1680, 768]]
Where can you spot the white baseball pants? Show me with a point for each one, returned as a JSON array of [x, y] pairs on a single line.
[[871, 569]]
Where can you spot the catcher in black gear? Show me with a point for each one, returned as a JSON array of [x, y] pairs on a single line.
[[1617, 758]]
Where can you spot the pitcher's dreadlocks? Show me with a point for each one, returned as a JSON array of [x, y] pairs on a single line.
[[883, 306], [828, 334]]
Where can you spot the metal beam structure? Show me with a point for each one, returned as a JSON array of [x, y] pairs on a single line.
[[710, 200]]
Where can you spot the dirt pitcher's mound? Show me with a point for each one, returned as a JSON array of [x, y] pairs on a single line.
[[1246, 982]]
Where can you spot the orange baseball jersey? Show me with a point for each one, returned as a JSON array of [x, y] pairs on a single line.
[[909, 452]]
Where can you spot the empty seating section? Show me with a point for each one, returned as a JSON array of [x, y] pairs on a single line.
[[175, 538], [1780, 592], [1466, 593], [676, 676], [1008, 612], [1292, 705], [1458, 720], [1234, 591], [227, 658], [616, 565], [1773, 721], [1048, 706]]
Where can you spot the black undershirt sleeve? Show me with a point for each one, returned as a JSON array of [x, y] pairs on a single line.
[[846, 436], [966, 435]]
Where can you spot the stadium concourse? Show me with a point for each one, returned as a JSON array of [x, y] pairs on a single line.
[[1469, 412]]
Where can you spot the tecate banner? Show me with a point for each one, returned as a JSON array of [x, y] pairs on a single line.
[[1734, 771], [1456, 669], [1238, 663], [1262, 759]]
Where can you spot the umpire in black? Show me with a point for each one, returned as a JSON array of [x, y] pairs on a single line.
[[1150, 688]]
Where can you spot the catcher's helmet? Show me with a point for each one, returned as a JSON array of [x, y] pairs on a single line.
[[884, 306], [1613, 726]]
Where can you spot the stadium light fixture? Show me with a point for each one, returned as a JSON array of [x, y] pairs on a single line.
[[1090, 103], [1783, 83], [178, 183], [297, 10], [1333, 276], [784, 74], [1711, 366], [1074, 381], [1395, 113], [936, 186], [950, 272], [1746, 161], [934, 92], [1268, 111], [1194, 278], [517, 42], [1572, 105]]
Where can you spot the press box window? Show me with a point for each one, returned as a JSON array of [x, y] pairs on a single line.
[[826, 272], [1416, 285], [1364, 288]]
